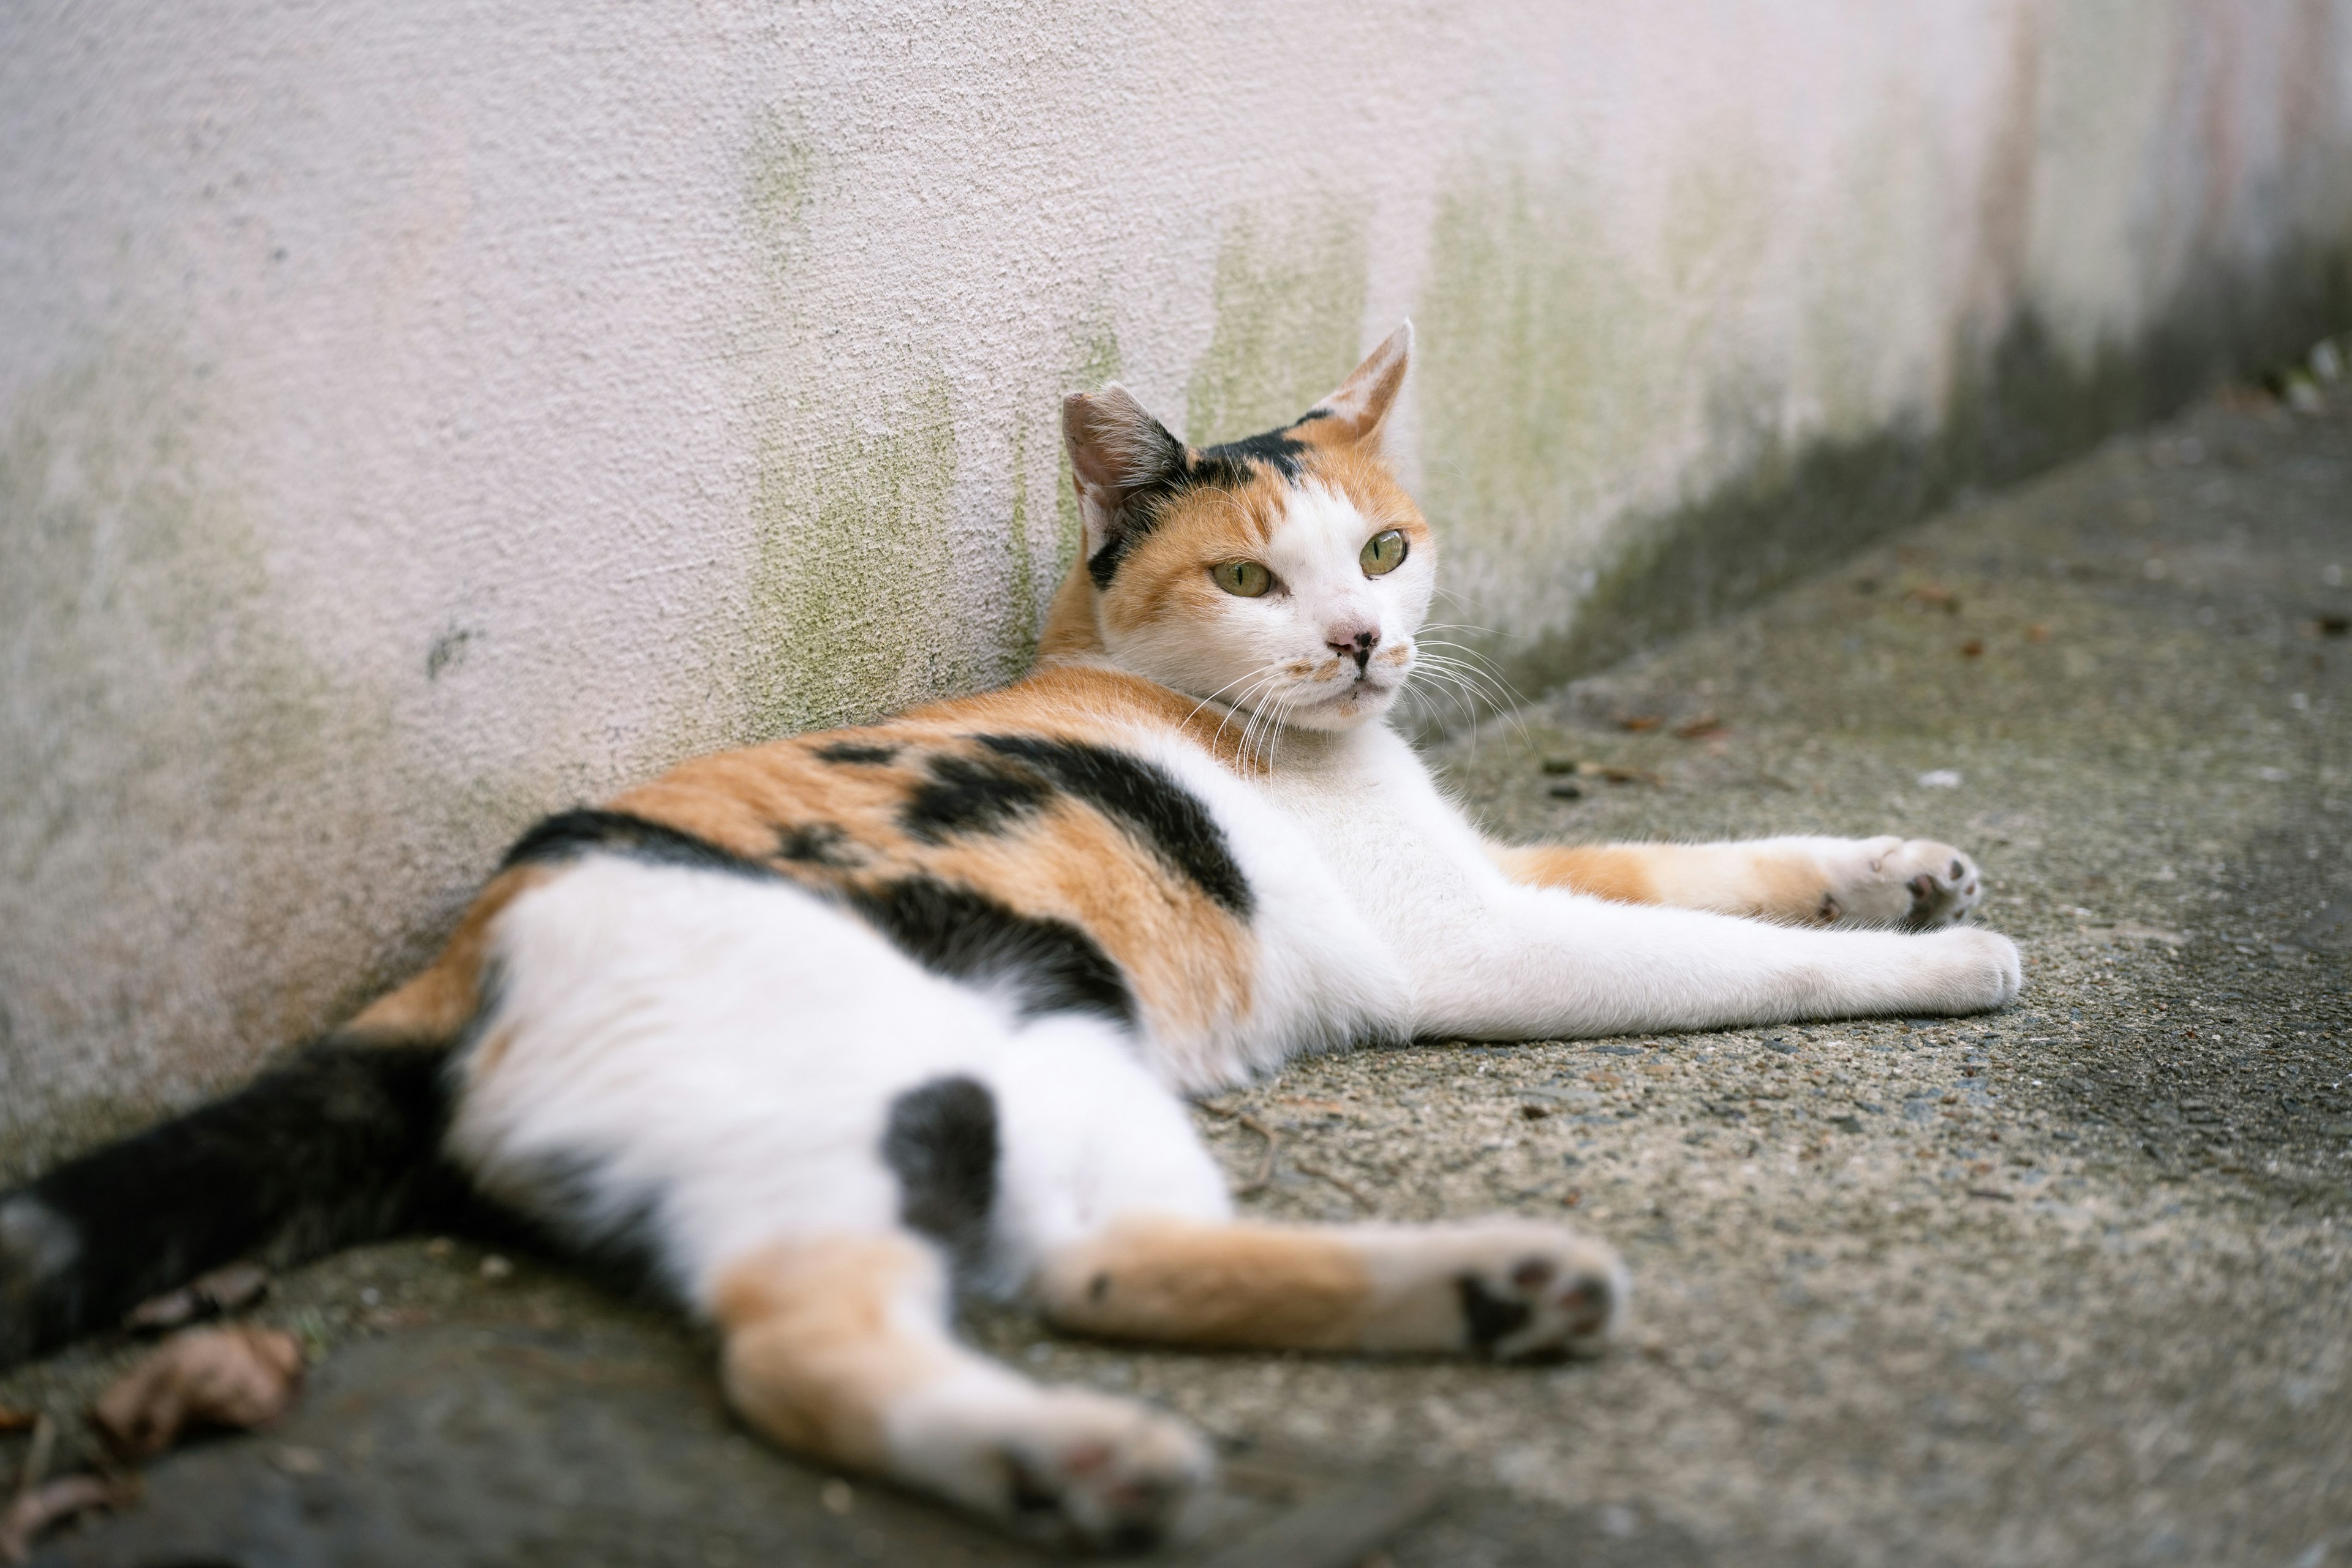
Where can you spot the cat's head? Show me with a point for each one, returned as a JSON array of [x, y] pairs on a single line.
[[1286, 574]]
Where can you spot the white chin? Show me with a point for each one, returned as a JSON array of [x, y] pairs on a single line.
[[1358, 705]]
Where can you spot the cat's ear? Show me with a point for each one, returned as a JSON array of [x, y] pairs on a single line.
[[1116, 450], [1355, 410]]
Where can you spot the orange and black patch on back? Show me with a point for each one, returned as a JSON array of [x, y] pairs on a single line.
[[1008, 838]]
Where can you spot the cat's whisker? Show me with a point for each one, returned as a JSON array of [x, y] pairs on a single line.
[[1261, 672], [1442, 680], [1258, 712], [1477, 671]]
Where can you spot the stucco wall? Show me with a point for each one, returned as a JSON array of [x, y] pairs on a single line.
[[417, 416]]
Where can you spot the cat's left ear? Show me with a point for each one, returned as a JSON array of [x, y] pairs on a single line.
[[1118, 450], [1362, 402]]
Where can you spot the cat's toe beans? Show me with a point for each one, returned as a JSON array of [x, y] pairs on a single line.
[[1917, 883], [1104, 1474], [1550, 1294]]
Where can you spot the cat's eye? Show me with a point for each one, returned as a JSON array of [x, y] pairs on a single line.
[[1244, 579], [1383, 552]]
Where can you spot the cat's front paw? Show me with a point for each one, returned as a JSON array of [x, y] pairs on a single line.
[[1914, 883], [1098, 1473], [1980, 971]]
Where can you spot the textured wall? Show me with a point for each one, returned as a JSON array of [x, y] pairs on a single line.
[[415, 416]]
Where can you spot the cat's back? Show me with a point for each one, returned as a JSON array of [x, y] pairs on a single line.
[[1084, 838]]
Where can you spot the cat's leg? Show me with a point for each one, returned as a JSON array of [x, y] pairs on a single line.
[[1114, 1220], [1536, 963], [789, 1120], [1509, 1289], [838, 1348], [1914, 883]]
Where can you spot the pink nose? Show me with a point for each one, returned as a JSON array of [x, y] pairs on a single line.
[[1357, 646]]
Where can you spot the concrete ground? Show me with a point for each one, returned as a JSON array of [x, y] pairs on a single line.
[[2067, 1285]]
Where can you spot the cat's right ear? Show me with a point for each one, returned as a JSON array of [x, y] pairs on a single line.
[[1118, 450]]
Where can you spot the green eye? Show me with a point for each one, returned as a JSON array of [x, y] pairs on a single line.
[[1244, 579], [1383, 554]]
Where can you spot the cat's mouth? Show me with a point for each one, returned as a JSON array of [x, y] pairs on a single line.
[[1370, 684]]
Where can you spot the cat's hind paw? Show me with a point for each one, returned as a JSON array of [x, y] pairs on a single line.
[[1917, 884], [1072, 1469], [1509, 1289], [1547, 1296]]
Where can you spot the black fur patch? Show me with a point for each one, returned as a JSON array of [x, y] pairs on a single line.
[[855, 752], [940, 1141], [1141, 797], [973, 795], [338, 1145], [1226, 466], [1489, 1316], [569, 835], [967, 935], [1279, 448], [818, 844], [948, 930]]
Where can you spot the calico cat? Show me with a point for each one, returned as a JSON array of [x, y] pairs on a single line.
[[822, 1029]]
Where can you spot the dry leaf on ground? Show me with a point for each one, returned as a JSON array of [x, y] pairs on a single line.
[[36, 1510], [222, 1377]]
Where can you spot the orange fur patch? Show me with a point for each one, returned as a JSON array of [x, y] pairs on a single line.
[[439, 1001], [1231, 1286], [815, 1347], [1620, 872]]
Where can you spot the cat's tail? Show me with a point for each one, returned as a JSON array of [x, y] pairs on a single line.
[[340, 1145]]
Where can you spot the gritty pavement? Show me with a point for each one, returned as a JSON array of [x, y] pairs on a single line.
[[2071, 1284]]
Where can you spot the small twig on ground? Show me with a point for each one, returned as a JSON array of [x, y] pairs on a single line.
[[1264, 1171], [1336, 1178], [36, 1468], [35, 1510]]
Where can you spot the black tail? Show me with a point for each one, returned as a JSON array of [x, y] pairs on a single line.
[[340, 1144]]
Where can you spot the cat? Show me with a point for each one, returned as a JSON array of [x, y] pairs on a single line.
[[822, 1030]]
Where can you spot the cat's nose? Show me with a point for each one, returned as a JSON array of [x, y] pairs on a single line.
[[1357, 646]]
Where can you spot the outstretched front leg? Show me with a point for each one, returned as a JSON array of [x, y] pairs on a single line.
[[1513, 1289], [1914, 883], [837, 1348]]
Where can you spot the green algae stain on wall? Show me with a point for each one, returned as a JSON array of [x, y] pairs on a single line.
[[1021, 625], [855, 584], [136, 608], [779, 170], [160, 727], [1289, 305], [852, 593], [1523, 346]]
